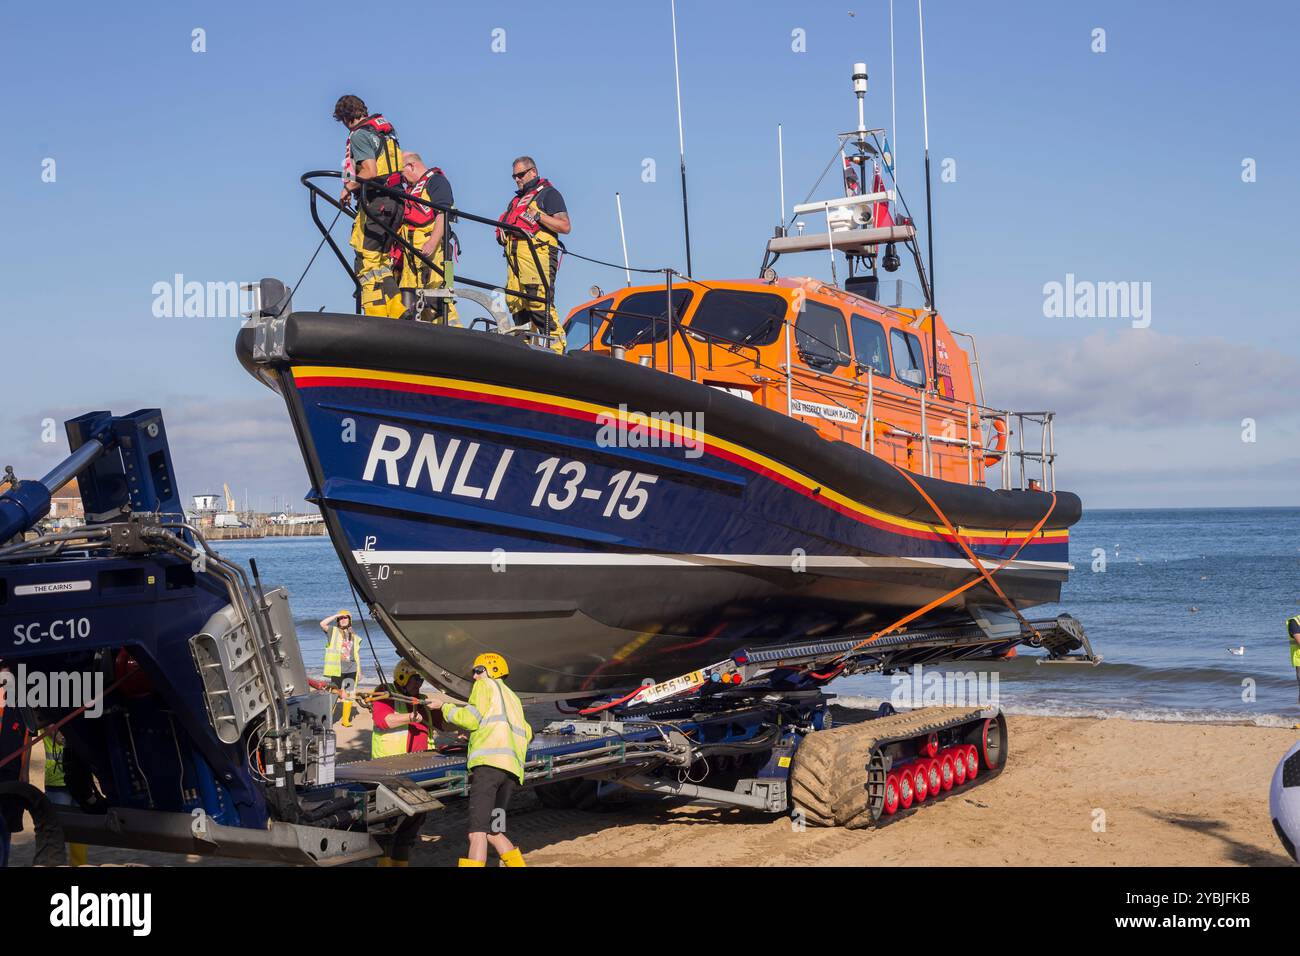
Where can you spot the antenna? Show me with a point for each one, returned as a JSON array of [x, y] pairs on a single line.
[[780, 162], [618, 201], [925, 117], [681, 141], [860, 88], [929, 215], [893, 103]]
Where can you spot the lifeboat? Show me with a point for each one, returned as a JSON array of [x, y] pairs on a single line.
[[712, 465]]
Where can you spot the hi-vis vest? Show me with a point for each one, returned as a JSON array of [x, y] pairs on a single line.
[[499, 734], [390, 743], [1295, 648], [54, 764], [334, 653]]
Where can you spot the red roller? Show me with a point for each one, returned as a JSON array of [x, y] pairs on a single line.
[[947, 772], [933, 777], [920, 780], [958, 759], [929, 746], [972, 761], [892, 795], [906, 789]]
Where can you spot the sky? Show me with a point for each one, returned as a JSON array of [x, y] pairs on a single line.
[[1160, 152]]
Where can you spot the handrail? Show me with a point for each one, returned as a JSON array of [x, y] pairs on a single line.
[[370, 187]]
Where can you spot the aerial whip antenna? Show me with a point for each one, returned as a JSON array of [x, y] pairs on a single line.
[[925, 119], [681, 142], [618, 201], [780, 163], [893, 104]]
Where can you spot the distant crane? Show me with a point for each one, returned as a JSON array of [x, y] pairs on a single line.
[[230, 499]]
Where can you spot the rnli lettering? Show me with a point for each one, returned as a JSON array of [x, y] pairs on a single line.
[[454, 466]]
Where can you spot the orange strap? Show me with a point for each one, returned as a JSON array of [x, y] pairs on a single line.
[[984, 575]]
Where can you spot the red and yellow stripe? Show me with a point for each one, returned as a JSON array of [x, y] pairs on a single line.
[[318, 376]]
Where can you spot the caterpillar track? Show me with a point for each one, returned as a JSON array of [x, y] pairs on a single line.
[[870, 773]]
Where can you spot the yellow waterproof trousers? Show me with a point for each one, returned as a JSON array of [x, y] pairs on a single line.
[[524, 276], [417, 277]]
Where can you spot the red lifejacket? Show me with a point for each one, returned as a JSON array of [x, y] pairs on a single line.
[[515, 213], [417, 215], [386, 133]]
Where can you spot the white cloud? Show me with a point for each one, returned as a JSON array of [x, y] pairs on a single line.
[[1140, 377]]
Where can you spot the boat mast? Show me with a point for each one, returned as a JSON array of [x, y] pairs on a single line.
[[681, 142]]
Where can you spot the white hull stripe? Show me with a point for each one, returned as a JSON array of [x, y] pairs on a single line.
[[612, 559]]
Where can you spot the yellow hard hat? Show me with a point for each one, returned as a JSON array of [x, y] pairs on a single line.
[[404, 671], [494, 664]]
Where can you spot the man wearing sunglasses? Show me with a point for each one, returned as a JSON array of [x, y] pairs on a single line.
[[538, 218]]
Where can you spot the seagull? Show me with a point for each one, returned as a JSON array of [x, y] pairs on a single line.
[[1238, 651]]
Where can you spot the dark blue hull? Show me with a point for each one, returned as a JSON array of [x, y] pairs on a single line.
[[476, 514]]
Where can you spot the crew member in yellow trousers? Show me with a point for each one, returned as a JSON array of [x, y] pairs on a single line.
[[56, 789], [372, 153], [342, 659], [424, 228], [498, 747], [538, 210]]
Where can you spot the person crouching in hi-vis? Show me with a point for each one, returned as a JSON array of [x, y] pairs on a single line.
[[372, 153], [424, 228], [342, 659], [401, 726], [56, 789], [1293, 637], [537, 210], [498, 747]]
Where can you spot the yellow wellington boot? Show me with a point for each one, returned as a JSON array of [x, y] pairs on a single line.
[[347, 713], [77, 854], [464, 862], [513, 858]]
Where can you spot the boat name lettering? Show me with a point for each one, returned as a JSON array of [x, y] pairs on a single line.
[[833, 413]]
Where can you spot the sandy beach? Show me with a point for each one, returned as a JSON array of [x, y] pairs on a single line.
[[1076, 791]]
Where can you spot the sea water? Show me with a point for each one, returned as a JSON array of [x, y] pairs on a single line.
[[1175, 590]]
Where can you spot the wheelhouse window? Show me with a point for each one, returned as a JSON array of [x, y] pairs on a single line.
[[822, 336], [582, 325], [909, 360], [643, 317], [869, 346], [746, 318]]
